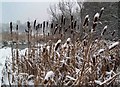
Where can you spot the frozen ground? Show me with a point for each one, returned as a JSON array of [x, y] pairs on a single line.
[[4, 53]]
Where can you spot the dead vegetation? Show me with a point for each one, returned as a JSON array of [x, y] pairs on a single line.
[[91, 61]]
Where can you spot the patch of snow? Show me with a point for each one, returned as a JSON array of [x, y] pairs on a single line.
[[97, 15], [100, 51], [49, 75], [71, 78], [113, 45]]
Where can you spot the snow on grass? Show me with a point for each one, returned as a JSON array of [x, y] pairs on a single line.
[[49, 75], [113, 45], [4, 53]]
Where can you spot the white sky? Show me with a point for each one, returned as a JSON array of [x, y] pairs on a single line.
[[23, 10]]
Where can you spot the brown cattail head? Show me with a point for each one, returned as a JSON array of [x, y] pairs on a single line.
[[56, 28], [71, 17], [113, 33], [101, 12], [57, 45], [75, 24], [93, 60], [43, 24], [16, 27], [86, 20], [64, 20], [11, 26], [28, 24], [96, 17], [34, 24], [72, 24], [51, 25], [104, 30], [47, 24]]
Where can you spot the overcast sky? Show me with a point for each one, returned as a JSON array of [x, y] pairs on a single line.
[[23, 11]]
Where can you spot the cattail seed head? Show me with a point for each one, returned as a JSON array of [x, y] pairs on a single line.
[[93, 60], [113, 33], [51, 25], [28, 24], [72, 24], [47, 24], [75, 24], [34, 24], [57, 44], [16, 27], [43, 24], [104, 30], [96, 17], [11, 26], [64, 20], [71, 17], [101, 12], [86, 20]]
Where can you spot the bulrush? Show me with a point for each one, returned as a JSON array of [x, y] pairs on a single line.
[[47, 23], [104, 30], [57, 45], [101, 12], [64, 20], [75, 23], [96, 17], [43, 27], [85, 23], [113, 33], [28, 24], [51, 25], [56, 28], [34, 24], [11, 26]]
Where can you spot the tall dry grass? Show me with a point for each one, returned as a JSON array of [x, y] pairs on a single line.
[[67, 61]]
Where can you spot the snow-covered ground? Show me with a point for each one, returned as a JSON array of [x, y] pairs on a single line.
[[4, 53], [5, 56]]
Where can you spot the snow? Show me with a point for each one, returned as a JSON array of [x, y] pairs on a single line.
[[4, 53], [105, 27], [113, 45], [102, 8], [100, 51], [97, 15], [69, 39], [71, 78], [49, 75], [86, 16]]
